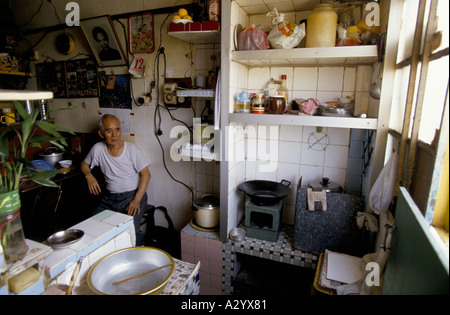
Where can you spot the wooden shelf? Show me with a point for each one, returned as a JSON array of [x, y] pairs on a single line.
[[289, 119], [320, 56]]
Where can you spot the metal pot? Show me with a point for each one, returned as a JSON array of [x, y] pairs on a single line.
[[207, 211], [327, 185], [52, 155], [265, 192]]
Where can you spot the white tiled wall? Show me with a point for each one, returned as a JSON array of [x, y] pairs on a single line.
[[295, 156]]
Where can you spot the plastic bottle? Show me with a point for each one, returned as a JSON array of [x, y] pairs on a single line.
[[283, 90], [321, 26]]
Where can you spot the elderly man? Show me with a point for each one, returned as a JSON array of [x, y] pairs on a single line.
[[126, 173]]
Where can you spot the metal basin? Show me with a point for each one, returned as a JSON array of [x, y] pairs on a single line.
[[127, 263], [64, 238]]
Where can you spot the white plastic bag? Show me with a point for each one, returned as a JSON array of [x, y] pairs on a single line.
[[380, 196], [284, 34]]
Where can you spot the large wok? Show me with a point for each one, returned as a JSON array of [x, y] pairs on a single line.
[[265, 192]]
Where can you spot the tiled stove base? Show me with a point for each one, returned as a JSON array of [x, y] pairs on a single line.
[[280, 251]]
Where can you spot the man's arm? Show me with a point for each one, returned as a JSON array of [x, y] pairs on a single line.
[[134, 206], [92, 182]]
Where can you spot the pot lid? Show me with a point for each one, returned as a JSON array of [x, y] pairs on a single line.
[[50, 151], [327, 185], [207, 202]]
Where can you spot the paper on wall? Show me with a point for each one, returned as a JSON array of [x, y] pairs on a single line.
[[139, 65], [124, 116]]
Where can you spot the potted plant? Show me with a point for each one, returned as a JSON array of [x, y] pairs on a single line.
[[16, 168]]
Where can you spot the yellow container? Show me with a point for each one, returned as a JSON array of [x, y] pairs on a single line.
[[321, 26]]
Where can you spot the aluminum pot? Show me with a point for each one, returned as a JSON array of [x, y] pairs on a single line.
[[127, 263], [207, 211], [327, 185], [52, 155]]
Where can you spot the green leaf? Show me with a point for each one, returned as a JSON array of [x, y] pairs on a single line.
[[51, 128], [21, 110]]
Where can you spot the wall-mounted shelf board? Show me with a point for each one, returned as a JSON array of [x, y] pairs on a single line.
[[289, 119], [194, 93], [24, 95], [198, 37], [319, 56]]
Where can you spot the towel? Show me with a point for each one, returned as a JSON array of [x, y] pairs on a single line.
[[372, 222], [317, 200], [217, 104]]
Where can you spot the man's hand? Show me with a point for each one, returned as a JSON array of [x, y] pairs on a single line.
[[93, 185], [133, 207]]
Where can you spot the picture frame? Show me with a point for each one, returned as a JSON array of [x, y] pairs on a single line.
[[51, 76], [104, 42], [77, 78], [82, 78], [141, 34]]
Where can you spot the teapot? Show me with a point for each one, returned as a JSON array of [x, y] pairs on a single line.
[[242, 103]]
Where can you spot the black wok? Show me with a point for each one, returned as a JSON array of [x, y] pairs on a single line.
[[265, 192]]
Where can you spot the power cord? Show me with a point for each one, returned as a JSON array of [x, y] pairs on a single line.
[[157, 119]]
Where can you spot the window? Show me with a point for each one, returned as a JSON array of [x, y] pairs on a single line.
[[420, 104]]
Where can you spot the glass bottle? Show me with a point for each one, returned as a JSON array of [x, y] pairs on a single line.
[[282, 90]]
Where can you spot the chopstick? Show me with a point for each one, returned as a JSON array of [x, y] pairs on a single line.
[[74, 276], [140, 275]]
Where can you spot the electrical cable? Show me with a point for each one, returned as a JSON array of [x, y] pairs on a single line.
[[33, 16], [157, 120]]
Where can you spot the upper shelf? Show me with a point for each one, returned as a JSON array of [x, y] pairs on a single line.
[[198, 37], [318, 56], [24, 95], [289, 119]]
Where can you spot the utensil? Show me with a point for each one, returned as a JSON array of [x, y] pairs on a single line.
[[375, 90], [140, 275], [76, 271], [126, 263], [265, 192], [64, 238], [207, 211], [237, 234], [52, 155], [327, 185]]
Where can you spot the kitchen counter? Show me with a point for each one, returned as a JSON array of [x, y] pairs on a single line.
[[104, 234]]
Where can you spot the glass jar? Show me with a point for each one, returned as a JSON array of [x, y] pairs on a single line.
[[258, 104], [321, 26], [12, 237]]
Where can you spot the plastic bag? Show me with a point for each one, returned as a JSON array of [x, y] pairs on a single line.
[[252, 38], [380, 196], [284, 34]]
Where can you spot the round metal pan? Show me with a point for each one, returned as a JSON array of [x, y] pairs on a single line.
[[127, 263], [64, 238], [265, 192]]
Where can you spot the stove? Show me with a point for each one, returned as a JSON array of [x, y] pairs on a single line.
[[263, 222]]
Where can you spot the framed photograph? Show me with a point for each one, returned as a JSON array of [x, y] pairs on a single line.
[[141, 33], [102, 37], [82, 78], [51, 76]]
